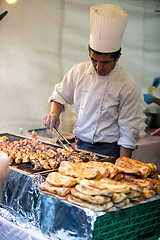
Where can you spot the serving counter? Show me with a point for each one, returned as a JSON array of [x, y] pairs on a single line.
[[24, 207], [28, 213]]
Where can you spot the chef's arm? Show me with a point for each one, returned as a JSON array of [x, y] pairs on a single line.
[[125, 152], [56, 108], [53, 118], [156, 100]]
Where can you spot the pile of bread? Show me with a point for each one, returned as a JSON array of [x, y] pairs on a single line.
[[103, 185]]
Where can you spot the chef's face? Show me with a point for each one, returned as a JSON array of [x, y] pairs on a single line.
[[103, 63]]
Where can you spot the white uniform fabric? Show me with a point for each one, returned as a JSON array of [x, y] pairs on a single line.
[[108, 108]]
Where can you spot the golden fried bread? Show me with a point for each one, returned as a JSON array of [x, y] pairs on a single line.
[[135, 165], [118, 177], [102, 168], [133, 194], [113, 170], [78, 170], [59, 180], [89, 198], [142, 183], [94, 191], [118, 197], [129, 170], [86, 204], [61, 191], [157, 185], [123, 203], [148, 193], [132, 185], [106, 183]]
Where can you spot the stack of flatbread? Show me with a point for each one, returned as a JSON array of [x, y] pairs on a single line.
[[132, 166], [102, 185], [58, 185]]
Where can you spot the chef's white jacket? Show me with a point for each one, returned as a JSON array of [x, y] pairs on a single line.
[[108, 108]]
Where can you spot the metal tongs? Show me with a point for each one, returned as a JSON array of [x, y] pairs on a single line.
[[59, 136]]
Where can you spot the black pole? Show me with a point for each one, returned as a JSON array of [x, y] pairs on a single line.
[[3, 15]]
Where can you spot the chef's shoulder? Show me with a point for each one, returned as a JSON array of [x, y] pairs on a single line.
[[79, 69], [124, 78]]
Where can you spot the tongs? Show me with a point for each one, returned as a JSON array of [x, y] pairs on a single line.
[[59, 136]]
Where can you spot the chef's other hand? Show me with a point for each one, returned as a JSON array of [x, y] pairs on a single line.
[[51, 120], [156, 132], [156, 82], [148, 98]]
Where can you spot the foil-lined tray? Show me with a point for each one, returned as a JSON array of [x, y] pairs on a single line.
[[24, 204], [28, 167]]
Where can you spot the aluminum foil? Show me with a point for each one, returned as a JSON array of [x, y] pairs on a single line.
[[26, 206], [65, 220], [20, 197]]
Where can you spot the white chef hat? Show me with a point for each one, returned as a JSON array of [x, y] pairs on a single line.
[[107, 26]]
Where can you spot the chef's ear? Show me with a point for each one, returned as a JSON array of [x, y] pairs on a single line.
[[118, 57]]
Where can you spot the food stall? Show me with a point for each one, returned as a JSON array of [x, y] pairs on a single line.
[[51, 192], [29, 208]]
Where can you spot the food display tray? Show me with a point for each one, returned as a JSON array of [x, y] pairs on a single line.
[[135, 223], [28, 168], [28, 206]]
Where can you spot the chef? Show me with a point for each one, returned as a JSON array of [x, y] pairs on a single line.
[[107, 100]]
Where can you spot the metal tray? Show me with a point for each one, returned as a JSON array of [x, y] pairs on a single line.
[[28, 167]]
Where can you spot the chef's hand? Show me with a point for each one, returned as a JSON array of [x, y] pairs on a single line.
[[156, 132], [51, 120], [156, 82], [148, 98]]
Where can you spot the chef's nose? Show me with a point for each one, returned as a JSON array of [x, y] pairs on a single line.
[[99, 66]]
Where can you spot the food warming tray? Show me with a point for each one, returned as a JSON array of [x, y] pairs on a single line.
[[28, 167]]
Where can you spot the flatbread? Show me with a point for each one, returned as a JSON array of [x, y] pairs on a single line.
[[118, 177], [94, 191], [135, 166], [138, 199], [107, 184], [61, 191], [102, 168], [118, 197], [113, 170], [133, 194], [59, 180], [123, 203], [89, 198], [85, 204], [76, 170], [148, 193], [133, 186], [142, 182], [55, 195]]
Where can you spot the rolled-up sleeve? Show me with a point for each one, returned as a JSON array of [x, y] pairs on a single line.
[[64, 91], [130, 115]]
